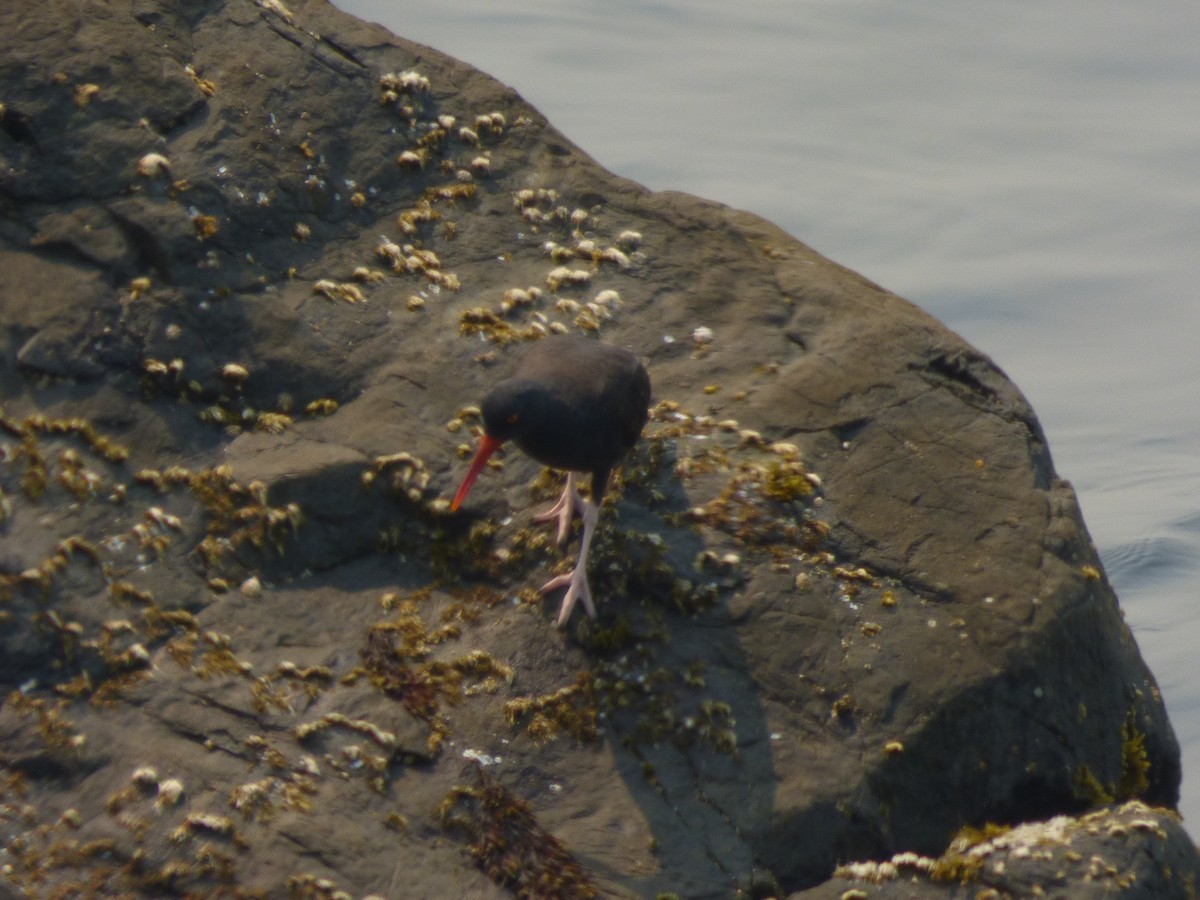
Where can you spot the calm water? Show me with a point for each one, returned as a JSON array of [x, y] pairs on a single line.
[[1028, 172]]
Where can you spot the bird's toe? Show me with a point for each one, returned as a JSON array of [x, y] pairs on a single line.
[[577, 591]]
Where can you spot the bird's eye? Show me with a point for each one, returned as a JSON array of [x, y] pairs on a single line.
[[512, 418]]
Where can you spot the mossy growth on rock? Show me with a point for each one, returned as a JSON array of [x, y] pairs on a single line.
[[508, 844], [1134, 778], [645, 704], [1135, 762], [395, 660], [571, 710]]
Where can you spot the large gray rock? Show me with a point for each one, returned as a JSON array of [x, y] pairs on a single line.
[[847, 606]]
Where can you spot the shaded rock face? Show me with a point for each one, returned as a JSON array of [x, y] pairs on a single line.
[[258, 265]]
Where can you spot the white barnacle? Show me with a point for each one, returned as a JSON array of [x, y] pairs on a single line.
[[235, 373], [751, 438], [413, 80], [629, 240], [447, 280], [153, 164], [428, 259], [170, 792], [164, 520], [390, 251], [556, 277], [493, 122], [410, 159], [367, 276], [609, 298], [524, 197], [446, 121], [702, 335], [145, 777], [350, 293], [613, 255], [467, 136], [561, 275], [514, 298], [482, 164], [136, 656], [561, 253]]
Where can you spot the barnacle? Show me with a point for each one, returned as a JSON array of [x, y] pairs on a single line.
[[153, 164]]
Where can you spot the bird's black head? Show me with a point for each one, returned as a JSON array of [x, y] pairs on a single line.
[[513, 409]]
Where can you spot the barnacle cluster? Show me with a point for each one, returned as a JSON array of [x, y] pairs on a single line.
[[94, 656], [996, 859], [195, 851], [560, 305], [226, 404], [70, 465], [237, 515]]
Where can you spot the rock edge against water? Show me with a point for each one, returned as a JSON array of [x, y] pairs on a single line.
[[258, 264]]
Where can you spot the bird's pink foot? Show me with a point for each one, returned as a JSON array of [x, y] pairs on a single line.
[[577, 591], [576, 581], [568, 504]]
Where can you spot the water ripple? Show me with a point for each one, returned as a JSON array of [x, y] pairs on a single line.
[[1150, 561]]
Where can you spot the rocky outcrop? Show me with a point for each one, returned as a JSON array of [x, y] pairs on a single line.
[[258, 264]]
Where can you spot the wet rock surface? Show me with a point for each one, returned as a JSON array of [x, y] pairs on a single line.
[[258, 266]]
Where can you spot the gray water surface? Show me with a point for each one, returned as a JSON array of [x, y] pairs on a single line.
[[1027, 172]]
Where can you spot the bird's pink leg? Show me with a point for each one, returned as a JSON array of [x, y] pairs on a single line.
[[577, 579], [564, 509]]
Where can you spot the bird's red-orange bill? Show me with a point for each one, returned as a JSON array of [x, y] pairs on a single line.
[[487, 446]]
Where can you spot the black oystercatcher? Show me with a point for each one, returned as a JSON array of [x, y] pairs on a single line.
[[572, 403]]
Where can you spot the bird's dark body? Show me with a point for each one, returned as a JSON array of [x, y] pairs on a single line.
[[572, 403]]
